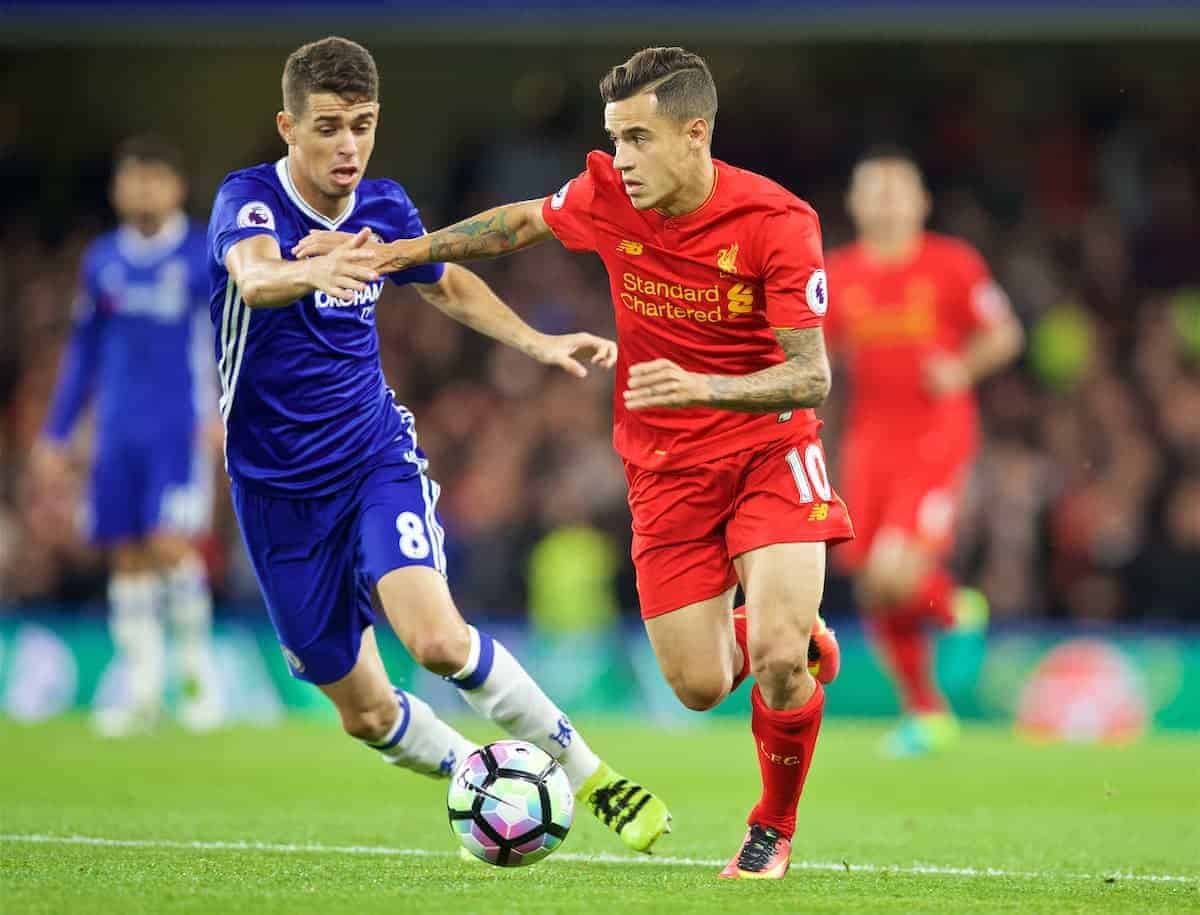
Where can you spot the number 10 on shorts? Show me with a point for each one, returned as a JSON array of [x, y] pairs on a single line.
[[810, 474]]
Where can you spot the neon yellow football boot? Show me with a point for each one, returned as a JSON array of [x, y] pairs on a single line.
[[638, 817]]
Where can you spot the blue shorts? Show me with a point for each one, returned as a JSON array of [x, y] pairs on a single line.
[[318, 559], [141, 488]]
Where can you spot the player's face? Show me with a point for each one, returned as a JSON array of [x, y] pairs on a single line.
[[331, 142], [887, 199], [146, 193], [655, 154]]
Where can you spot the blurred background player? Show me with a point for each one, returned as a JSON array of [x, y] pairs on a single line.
[[329, 485], [140, 349], [720, 270], [918, 323]]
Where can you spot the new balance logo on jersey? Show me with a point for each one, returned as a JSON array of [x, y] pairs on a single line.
[[820, 512], [633, 248], [366, 296], [563, 735]]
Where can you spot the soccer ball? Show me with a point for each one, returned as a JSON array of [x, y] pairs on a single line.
[[510, 803]]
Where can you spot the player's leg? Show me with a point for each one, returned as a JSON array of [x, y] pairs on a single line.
[[136, 627], [787, 514], [402, 727], [401, 542], [685, 579], [189, 611], [908, 594], [117, 522], [698, 650], [179, 499], [303, 554], [784, 583]]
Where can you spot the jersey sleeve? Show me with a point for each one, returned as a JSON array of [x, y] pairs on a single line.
[[793, 270], [982, 303], [409, 225], [244, 207], [568, 213], [78, 372]]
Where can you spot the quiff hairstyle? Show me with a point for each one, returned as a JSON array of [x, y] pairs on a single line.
[[679, 79]]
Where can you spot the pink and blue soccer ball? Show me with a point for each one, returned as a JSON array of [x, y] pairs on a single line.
[[510, 803]]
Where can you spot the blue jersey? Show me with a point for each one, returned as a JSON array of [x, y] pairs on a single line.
[[140, 340], [303, 397]]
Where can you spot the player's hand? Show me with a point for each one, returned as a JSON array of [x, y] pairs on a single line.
[[662, 383], [346, 268], [566, 351], [319, 242], [945, 375]]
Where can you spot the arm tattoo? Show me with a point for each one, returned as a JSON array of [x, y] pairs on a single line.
[[800, 381], [486, 235]]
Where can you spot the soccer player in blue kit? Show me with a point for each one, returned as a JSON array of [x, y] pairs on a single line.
[[140, 343], [328, 482]]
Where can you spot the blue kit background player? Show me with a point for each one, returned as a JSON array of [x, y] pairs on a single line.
[[328, 482], [139, 351]]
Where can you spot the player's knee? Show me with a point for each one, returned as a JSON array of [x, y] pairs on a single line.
[[699, 691], [443, 652], [370, 722], [778, 655]]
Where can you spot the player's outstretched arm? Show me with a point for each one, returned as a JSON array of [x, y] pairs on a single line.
[[493, 233], [466, 298], [801, 380], [266, 280]]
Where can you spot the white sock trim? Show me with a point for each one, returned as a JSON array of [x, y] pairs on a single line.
[[472, 656]]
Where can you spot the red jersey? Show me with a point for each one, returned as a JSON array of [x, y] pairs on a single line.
[[703, 290], [891, 317]]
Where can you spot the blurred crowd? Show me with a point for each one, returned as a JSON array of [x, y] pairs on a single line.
[[1086, 500]]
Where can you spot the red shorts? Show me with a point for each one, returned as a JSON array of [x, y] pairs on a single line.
[[914, 489], [688, 524]]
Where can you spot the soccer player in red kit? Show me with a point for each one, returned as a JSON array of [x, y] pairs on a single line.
[[719, 291], [919, 321]]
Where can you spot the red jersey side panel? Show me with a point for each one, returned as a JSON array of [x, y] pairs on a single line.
[[703, 290]]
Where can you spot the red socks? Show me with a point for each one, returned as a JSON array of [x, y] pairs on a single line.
[[902, 639], [785, 741], [908, 652], [739, 633]]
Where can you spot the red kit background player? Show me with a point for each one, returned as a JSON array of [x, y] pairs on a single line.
[[918, 321], [719, 291]]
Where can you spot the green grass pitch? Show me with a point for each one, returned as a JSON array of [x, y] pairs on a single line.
[[296, 818]]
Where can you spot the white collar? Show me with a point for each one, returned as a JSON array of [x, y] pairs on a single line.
[[139, 248], [285, 178]]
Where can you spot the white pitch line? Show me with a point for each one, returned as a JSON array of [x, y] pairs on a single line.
[[598, 858]]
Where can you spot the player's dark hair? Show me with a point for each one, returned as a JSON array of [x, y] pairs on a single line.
[[888, 151], [679, 79], [150, 149], [332, 64]]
